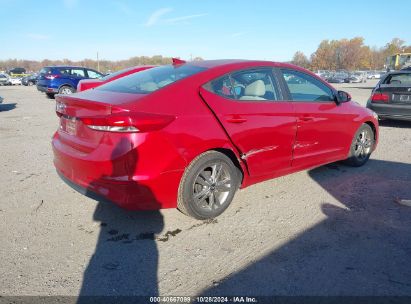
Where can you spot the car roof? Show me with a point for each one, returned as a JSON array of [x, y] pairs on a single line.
[[399, 72], [65, 66], [230, 62]]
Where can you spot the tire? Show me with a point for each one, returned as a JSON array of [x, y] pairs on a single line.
[[50, 95], [199, 193], [362, 146], [66, 90]]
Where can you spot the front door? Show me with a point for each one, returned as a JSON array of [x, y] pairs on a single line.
[[323, 132], [249, 106]]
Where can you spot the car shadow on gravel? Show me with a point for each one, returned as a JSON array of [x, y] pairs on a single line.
[[395, 123], [4, 107], [125, 260], [362, 248]]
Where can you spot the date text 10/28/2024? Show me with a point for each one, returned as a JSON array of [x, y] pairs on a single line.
[[203, 300]]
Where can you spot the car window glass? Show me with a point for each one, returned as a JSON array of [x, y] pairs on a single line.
[[77, 72], [254, 85], [304, 87], [223, 87], [63, 71], [151, 80], [402, 79], [93, 74]]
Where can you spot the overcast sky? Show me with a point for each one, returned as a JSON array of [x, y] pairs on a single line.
[[212, 29]]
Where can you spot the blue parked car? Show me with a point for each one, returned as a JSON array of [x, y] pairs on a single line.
[[63, 79]]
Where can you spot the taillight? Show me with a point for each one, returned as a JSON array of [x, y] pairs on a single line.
[[379, 97], [51, 77], [130, 122]]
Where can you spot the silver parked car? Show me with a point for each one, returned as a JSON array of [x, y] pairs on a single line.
[[4, 79]]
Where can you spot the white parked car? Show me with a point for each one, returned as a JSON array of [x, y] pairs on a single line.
[[374, 75], [15, 81]]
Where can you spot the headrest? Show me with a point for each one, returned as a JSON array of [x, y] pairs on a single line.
[[256, 88]]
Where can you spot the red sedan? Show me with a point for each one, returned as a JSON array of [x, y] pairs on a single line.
[[188, 135], [87, 84]]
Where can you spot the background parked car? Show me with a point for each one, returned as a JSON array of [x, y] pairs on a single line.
[[87, 84], [15, 80], [17, 71], [4, 79], [29, 80], [391, 97], [356, 77], [337, 78], [63, 79], [375, 75]]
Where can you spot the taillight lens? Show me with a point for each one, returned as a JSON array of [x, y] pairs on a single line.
[[133, 122], [51, 77], [379, 97]]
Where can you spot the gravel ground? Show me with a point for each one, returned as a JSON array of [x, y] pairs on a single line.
[[334, 230]]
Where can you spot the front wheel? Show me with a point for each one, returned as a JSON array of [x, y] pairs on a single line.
[[361, 146], [208, 185]]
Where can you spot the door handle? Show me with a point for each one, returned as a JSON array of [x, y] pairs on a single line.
[[235, 119]]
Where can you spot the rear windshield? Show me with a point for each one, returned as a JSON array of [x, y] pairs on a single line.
[[399, 79], [151, 80], [45, 71]]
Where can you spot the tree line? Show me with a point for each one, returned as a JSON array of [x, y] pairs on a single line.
[[349, 54], [102, 65]]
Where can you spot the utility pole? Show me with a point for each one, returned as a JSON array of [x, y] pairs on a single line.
[[98, 63]]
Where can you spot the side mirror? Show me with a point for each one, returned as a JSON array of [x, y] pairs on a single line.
[[343, 96]]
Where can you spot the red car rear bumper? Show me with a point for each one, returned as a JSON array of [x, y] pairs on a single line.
[[117, 179]]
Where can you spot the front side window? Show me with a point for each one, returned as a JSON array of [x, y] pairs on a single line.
[[93, 74], [304, 87], [151, 80]]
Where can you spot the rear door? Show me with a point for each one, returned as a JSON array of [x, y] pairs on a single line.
[[324, 131], [249, 106], [77, 74]]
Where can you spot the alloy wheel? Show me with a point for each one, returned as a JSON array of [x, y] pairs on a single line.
[[212, 186]]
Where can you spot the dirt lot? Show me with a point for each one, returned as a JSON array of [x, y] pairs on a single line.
[[334, 230]]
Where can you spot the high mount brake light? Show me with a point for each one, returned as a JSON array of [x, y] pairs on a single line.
[[177, 61]]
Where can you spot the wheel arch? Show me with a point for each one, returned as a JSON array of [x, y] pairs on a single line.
[[233, 157]]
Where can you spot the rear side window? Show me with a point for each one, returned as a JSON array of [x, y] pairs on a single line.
[[78, 73], [304, 87], [151, 80], [223, 87], [399, 79], [255, 85]]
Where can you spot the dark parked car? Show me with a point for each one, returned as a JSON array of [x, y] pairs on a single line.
[[337, 78], [17, 71], [63, 79], [29, 80], [391, 98]]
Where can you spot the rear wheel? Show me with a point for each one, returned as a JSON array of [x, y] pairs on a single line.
[[66, 90], [361, 146], [208, 185]]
